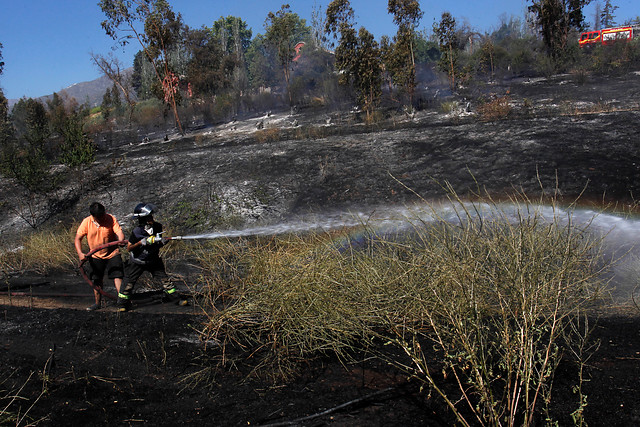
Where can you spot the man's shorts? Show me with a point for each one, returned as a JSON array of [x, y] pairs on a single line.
[[97, 267]]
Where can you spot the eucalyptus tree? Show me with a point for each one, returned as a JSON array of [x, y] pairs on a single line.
[[358, 55], [445, 32], [368, 67], [406, 15], [261, 63], [209, 69], [113, 69], [234, 36], [318, 23], [157, 29], [607, 15], [284, 30], [556, 19], [143, 76]]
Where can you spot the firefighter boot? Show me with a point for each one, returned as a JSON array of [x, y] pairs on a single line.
[[170, 295], [123, 304]]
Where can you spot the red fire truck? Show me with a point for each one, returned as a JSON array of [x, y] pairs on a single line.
[[609, 35]]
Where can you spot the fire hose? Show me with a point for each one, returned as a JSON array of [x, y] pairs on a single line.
[[108, 245], [87, 256]]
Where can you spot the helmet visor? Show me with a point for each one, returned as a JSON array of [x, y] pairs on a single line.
[[145, 210]]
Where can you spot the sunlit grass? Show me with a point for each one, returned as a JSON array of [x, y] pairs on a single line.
[[494, 297], [41, 252]]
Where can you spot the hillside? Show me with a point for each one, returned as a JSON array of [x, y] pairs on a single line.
[[576, 137], [90, 92]]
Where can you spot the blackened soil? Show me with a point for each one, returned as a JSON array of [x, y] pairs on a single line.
[[72, 367]]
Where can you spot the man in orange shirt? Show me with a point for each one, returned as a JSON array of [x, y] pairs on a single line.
[[100, 228]]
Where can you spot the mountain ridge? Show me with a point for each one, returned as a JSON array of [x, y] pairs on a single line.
[[90, 92]]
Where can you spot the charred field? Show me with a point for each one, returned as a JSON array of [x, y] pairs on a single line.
[[62, 365]]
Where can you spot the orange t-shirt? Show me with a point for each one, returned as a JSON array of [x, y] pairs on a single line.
[[100, 234]]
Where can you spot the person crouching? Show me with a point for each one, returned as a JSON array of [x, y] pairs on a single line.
[[144, 248]]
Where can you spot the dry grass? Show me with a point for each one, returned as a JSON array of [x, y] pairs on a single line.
[[267, 135], [311, 132], [496, 109], [490, 295], [42, 252]]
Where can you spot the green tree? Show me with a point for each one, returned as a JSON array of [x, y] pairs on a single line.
[[261, 63], [426, 50], [368, 72], [556, 19], [77, 148], [6, 129], [284, 29], [234, 37], [24, 158], [445, 31], [57, 113], [106, 105], [358, 56], [161, 33], [143, 76], [209, 69], [406, 15], [116, 102], [339, 24], [607, 16], [233, 34]]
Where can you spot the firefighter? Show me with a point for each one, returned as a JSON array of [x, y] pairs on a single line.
[[144, 248]]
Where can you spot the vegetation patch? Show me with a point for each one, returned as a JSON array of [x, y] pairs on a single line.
[[494, 301], [497, 108]]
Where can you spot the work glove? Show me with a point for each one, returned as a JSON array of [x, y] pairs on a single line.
[[151, 240]]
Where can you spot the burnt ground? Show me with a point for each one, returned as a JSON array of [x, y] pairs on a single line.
[[71, 367]]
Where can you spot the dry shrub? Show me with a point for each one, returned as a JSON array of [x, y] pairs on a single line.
[[449, 107], [580, 75], [508, 288], [310, 132], [494, 293], [318, 101], [148, 113], [267, 135], [496, 109]]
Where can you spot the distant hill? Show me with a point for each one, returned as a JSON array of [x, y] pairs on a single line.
[[90, 92]]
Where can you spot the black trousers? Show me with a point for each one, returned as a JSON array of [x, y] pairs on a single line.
[[154, 267]]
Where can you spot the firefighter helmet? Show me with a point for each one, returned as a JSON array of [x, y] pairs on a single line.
[[143, 210]]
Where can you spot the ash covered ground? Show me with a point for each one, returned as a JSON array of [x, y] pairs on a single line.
[[104, 367]]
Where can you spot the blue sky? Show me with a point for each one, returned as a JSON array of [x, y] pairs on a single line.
[[46, 44]]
